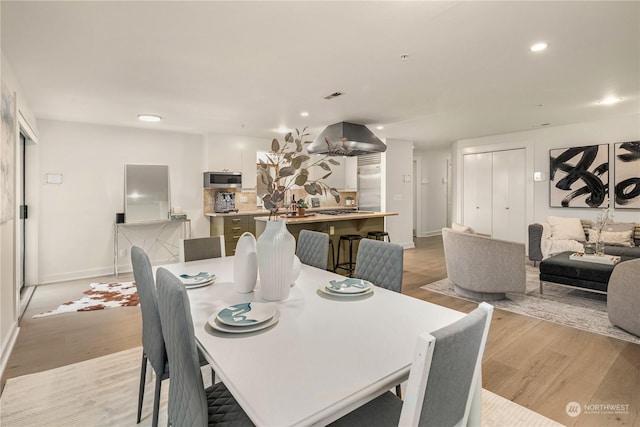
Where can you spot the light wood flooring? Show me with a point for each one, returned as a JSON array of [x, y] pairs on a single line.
[[537, 364]]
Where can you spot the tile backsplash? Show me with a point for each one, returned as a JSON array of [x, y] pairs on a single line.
[[246, 201]]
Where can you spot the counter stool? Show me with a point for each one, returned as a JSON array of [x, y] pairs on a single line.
[[378, 235], [349, 266]]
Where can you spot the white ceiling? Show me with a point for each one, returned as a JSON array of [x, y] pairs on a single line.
[[249, 67]]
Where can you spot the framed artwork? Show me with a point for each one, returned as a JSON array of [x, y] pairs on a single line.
[[579, 177], [7, 144], [627, 175]]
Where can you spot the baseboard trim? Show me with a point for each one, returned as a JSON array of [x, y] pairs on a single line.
[[7, 347], [96, 272]]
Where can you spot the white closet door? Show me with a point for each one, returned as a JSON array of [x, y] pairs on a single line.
[[477, 189], [508, 216]]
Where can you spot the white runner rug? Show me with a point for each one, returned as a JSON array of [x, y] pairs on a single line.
[[104, 392]]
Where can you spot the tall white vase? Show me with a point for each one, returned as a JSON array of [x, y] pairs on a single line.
[[245, 264], [276, 250]]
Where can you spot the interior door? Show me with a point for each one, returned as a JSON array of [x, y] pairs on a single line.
[[477, 192], [509, 195], [23, 213]]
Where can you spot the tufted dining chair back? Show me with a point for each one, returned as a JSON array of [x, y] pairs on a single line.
[[380, 263], [313, 248]]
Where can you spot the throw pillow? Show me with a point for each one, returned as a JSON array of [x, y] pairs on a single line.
[[620, 226], [462, 228], [566, 228], [614, 238]]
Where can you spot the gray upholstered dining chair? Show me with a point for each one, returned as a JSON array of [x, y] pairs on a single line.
[[190, 404], [442, 380], [201, 248], [380, 263], [313, 248], [153, 347]]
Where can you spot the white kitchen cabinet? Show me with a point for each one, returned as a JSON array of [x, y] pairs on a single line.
[[494, 193], [350, 173]]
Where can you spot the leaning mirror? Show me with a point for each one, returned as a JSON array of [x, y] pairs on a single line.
[[146, 193]]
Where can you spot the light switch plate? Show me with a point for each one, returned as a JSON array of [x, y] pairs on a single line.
[[54, 178]]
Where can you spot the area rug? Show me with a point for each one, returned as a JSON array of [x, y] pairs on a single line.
[[100, 297], [104, 392], [558, 304]]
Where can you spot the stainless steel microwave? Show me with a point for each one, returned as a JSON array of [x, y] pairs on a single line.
[[222, 179]]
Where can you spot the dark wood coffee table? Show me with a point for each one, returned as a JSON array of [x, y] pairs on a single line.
[[588, 276]]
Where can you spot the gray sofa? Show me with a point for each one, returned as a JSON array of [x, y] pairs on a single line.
[[536, 232], [481, 267]]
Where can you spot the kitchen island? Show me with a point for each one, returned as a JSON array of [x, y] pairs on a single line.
[[335, 225]]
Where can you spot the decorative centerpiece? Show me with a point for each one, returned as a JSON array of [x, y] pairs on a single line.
[[286, 166], [604, 217]]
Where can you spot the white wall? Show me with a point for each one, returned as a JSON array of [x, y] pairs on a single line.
[[9, 296], [433, 191], [398, 190], [537, 144], [76, 217]]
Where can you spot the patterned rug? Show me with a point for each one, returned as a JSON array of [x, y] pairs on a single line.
[[559, 304], [101, 296]]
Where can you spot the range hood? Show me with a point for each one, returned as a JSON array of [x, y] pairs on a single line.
[[346, 139]]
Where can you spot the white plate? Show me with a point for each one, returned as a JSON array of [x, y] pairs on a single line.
[[189, 279], [217, 325], [200, 285], [326, 291], [246, 314], [348, 286]]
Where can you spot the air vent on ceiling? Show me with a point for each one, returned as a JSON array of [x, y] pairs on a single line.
[[333, 95]]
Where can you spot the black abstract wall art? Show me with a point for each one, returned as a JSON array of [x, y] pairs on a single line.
[[579, 177], [627, 175]]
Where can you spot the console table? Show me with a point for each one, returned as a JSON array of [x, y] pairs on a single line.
[[152, 235]]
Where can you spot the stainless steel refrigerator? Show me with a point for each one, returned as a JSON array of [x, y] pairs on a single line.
[[370, 182]]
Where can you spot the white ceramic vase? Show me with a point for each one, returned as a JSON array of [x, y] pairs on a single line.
[[245, 264], [276, 251], [295, 271]]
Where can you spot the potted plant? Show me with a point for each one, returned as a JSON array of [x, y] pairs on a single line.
[[302, 207], [286, 166]]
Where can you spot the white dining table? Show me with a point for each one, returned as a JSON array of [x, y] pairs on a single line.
[[323, 358]]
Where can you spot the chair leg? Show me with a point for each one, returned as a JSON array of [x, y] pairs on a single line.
[[399, 391], [143, 373], [156, 401]]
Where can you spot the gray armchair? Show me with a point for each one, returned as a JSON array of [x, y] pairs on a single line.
[[623, 296], [313, 248], [190, 404]]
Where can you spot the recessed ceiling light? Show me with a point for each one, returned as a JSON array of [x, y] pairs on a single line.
[[538, 47], [283, 129], [304, 114], [379, 127], [610, 100], [149, 118]]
